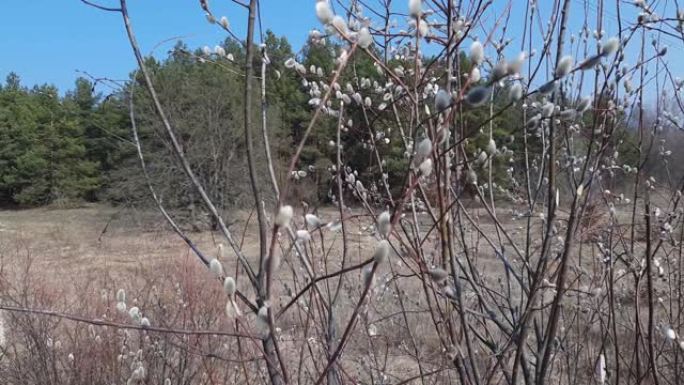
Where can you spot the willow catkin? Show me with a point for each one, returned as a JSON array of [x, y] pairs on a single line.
[[425, 167], [384, 223], [216, 268], [424, 148], [381, 251], [583, 104], [515, 93], [323, 12], [121, 295], [438, 275], [442, 100], [610, 46], [262, 321], [365, 38], [415, 8], [339, 24], [477, 96], [313, 221], [284, 216], [476, 53], [564, 66]]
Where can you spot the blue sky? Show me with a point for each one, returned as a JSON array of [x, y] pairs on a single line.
[[48, 41]]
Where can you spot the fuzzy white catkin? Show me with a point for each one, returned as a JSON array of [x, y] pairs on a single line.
[[491, 147], [121, 295], [476, 53], [670, 334], [312, 221], [442, 100], [384, 223], [262, 320], [167, 381], [324, 12], [415, 8], [121, 307], [500, 70], [426, 167], [229, 286], [610, 46], [365, 38], [548, 87], [515, 92], [284, 216], [303, 236], [477, 96], [145, 322], [424, 148], [339, 24], [564, 66], [216, 267], [475, 75], [583, 104], [224, 22], [438, 275], [381, 251], [423, 28]]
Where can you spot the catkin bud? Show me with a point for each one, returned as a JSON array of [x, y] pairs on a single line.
[[284, 216], [121, 307], [216, 268], [262, 320], [381, 251], [477, 96], [121, 295], [491, 147], [415, 8], [425, 167], [515, 92], [229, 286], [384, 223], [610, 46], [548, 87], [564, 66], [365, 38], [476, 53], [324, 12], [302, 236], [424, 148], [224, 22], [583, 104], [312, 221], [438, 275], [442, 100], [339, 24]]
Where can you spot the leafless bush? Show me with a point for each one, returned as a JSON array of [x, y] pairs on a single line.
[[550, 277]]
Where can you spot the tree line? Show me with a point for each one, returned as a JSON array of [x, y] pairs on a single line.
[[77, 146]]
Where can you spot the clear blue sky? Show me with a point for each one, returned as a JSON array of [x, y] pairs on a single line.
[[46, 41]]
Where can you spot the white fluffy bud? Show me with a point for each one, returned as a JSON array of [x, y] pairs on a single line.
[[384, 223], [365, 38], [564, 66], [415, 8], [216, 267], [229, 286], [324, 12], [381, 251], [476, 53], [284, 216]]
